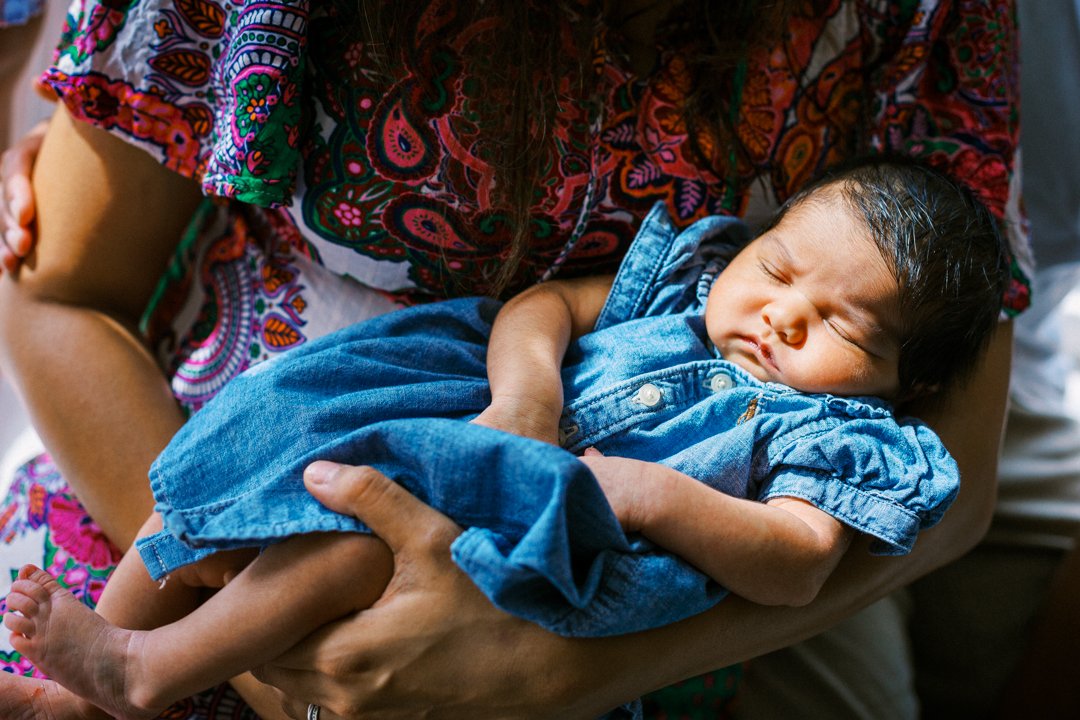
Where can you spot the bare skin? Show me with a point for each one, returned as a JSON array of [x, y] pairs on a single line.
[[85, 284], [102, 670], [16, 201], [53, 626]]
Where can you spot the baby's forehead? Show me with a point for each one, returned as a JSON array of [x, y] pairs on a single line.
[[829, 244], [822, 225]]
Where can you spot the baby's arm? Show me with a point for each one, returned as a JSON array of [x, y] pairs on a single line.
[[525, 353], [775, 553]]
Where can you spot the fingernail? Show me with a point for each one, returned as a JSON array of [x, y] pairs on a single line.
[[320, 472]]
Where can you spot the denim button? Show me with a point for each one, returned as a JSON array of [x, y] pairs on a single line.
[[720, 382], [648, 395]]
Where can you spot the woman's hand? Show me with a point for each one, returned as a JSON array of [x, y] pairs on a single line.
[[394, 660], [17, 198]]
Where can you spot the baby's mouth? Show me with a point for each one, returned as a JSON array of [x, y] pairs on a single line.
[[763, 352]]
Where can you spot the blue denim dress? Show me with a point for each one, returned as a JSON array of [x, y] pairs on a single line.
[[540, 541]]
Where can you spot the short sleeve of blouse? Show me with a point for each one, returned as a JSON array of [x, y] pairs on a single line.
[[887, 479], [667, 271], [212, 91]]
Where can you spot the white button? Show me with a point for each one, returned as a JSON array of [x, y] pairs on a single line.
[[720, 382], [648, 395]]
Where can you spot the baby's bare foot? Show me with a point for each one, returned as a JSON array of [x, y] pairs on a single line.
[[73, 645], [23, 698]]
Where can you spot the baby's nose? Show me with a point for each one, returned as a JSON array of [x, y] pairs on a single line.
[[787, 320]]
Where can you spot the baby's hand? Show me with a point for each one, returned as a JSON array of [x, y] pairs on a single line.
[[520, 419], [626, 485], [17, 200]]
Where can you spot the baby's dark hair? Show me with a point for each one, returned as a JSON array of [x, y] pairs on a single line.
[[943, 247]]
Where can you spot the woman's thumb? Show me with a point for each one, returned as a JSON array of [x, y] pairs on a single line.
[[388, 509]]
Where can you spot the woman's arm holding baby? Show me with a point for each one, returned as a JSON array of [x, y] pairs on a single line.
[[434, 633]]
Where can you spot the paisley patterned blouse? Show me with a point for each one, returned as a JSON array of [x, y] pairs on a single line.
[[351, 194]]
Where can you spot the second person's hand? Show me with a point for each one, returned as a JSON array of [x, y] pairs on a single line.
[[396, 659], [17, 198]]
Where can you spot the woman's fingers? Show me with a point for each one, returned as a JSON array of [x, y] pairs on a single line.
[[17, 213], [388, 509], [16, 166], [341, 668], [298, 679], [374, 665], [302, 710]]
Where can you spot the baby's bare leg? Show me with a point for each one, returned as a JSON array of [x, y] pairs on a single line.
[[131, 601], [287, 592]]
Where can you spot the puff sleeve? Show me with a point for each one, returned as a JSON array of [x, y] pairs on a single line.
[[889, 479]]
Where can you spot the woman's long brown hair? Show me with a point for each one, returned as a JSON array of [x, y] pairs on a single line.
[[527, 64]]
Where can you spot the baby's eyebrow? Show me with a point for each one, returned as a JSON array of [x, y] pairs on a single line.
[[777, 244]]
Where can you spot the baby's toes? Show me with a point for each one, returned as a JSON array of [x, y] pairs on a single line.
[[28, 596], [20, 602], [34, 574], [18, 624]]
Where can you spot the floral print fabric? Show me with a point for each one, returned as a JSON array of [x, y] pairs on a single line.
[[42, 522], [274, 103], [339, 193]]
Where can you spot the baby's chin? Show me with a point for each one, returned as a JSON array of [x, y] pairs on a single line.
[[752, 368]]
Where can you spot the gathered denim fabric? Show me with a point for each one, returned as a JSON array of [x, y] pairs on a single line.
[[18, 12], [540, 540]]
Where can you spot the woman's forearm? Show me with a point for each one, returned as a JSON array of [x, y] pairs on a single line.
[[108, 219]]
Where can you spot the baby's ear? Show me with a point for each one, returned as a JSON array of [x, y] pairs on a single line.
[[918, 391]]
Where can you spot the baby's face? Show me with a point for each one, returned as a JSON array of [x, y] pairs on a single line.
[[811, 304]]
